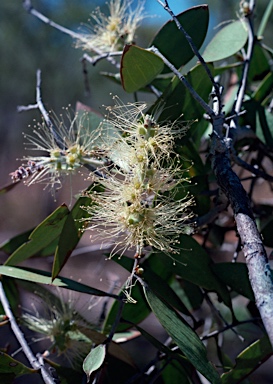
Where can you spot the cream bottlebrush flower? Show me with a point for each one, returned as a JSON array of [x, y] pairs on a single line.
[[135, 217], [64, 148], [61, 325], [138, 207], [111, 33], [142, 132]]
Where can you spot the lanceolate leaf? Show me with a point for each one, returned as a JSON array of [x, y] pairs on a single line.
[[193, 264], [173, 44], [43, 277], [248, 360], [182, 334], [70, 235], [138, 67], [41, 237], [235, 275]]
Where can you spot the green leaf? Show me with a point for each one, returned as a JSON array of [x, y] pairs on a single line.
[[264, 88], [235, 275], [248, 360], [228, 41], [113, 348], [12, 244], [163, 289], [138, 68], [173, 44], [70, 235], [135, 313], [265, 126], [94, 360], [175, 373], [41, 237], [43, 277], [259, 65], [265, 18], [182, 334], [193, 264], [178, 102], [10, 365]]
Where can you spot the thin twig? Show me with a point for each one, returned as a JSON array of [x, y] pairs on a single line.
[[30, 9], [229, 326], [242, 87], [184, 81], [194, 49], [94, 60], [34, 362]]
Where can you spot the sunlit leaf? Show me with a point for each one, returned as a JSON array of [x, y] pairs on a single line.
[[248, 360], [228, 41], [45, 278], [42, 236], [173, 44], [94, 360], [182, 334], [138, 67], [114, 349]]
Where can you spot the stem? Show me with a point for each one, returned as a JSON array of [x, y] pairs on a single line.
[[30, 9], [242, 88], [184, 81], [34, 362], [165, 5]]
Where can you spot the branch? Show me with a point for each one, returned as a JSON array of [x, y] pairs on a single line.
[[39, 105], [165, 5], [184, 81], [34, 362], [254, 251], [30, 9]]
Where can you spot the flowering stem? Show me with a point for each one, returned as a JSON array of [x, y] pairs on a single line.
[[30, 9], [34, 362]]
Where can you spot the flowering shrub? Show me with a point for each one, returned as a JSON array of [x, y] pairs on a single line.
[[161, 194]]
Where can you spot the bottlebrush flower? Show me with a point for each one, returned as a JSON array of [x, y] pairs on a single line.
[[138, 207], [61, 325], [111, 33], [64, 148]]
